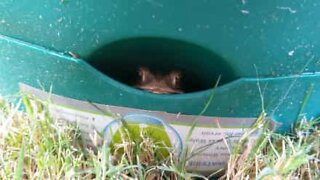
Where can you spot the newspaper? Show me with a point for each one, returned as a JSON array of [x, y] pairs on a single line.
[[210, 144]]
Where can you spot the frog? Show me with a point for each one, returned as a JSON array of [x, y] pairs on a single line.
[[159, 83]]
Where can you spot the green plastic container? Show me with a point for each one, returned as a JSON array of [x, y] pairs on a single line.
[[272, 45]]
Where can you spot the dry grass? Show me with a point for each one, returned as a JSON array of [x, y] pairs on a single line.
[[276, 156]]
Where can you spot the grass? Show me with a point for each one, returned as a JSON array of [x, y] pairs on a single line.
[[34, 146]]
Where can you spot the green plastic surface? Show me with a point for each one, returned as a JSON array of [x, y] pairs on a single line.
[[275, 40]]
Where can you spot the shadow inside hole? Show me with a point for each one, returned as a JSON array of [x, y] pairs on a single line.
[[200, 67]]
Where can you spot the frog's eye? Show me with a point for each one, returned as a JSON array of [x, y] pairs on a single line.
[[175, 77], [144, 73]]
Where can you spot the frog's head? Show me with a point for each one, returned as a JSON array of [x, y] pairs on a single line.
[[169, 83]]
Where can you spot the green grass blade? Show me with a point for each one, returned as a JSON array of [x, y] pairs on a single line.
[[19, 169]]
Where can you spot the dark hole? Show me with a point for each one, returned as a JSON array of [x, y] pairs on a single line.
[[200, 67]]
